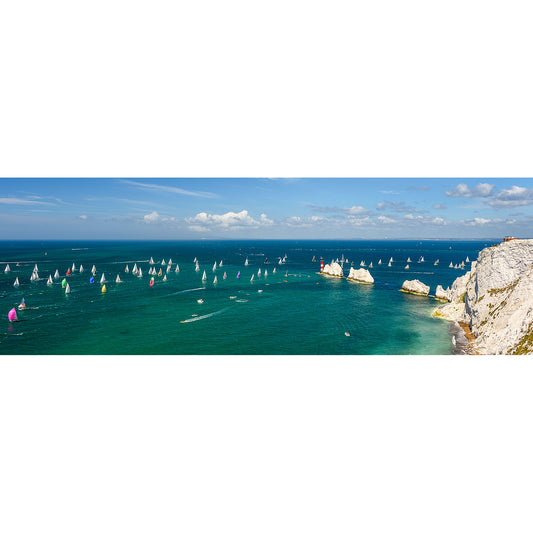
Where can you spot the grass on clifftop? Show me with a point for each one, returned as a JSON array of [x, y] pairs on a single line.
[[525, 345]]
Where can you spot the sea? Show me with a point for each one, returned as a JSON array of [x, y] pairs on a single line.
[[288, 308]]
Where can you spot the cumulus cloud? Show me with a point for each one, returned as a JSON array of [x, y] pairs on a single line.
[[426, 219], [462, 191], [155, 217], [354, 210], [229, 220], [398, 207], [440, 206], [513, 197], [83, 217], [386, 220]]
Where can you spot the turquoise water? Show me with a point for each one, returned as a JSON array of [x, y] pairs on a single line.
[[292, 311]]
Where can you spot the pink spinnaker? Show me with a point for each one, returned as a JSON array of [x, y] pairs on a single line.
[[12, 315]]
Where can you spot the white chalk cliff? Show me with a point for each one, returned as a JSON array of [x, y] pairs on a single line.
[[495, 299], [415, 287], [361, 275], [441, 294], [333, 269]]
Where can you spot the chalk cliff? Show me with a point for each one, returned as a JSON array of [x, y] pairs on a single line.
[[415, 287], [333, 269], [495, 299]]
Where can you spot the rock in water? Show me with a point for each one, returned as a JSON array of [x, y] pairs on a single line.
[[333, 269], [495, 299], [442, 294], [361, 275], [415, 287]]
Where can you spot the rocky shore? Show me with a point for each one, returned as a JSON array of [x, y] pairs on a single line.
[[495, 300]]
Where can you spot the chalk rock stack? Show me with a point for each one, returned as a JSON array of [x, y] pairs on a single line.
[[496, 299], [333, 269], [415, 287], [361, 275]]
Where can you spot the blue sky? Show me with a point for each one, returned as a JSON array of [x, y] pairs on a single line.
[[265, 208]]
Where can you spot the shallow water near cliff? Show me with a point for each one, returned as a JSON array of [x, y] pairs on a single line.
[[291, 311]]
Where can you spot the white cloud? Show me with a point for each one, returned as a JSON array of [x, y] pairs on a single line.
[[512, 197], [166, 188], [355, 210], [229, 220], [386, 220], [462, 191], [154, 217], [21, 201], [83, 217]]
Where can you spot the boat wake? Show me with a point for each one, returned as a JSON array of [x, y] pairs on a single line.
[[203, 316], [181, 292]]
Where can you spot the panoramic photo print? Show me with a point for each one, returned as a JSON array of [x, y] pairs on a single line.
[[272, 266]]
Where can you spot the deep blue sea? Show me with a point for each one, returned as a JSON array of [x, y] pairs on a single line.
[[293, 310]]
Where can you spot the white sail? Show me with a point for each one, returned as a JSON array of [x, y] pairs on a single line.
[[215, 280], [266, 272], [135, 269], [168, 269], [370, 265], [259, 272], [67, 289], [102, 279], [390, 263], [36, 268], [379, 262], [118, 280], [197, 268], [7, 269], [165, 277], [16, 284], [246, 262], [280, 262], [215, 266], [177, 268], [81, 269], [467, 260], [73, 267], [151, 261], [56, 275], [390, 260], [204, 276], [93, 270], [127, 269], [163, 263], [408, 259], [195, 260], [274, 271], [170, 261], [49, 282], [140, 272], [406, 267], [362, 264], [220, 264], [252, 278], [436, 263], [33, 276], [451, 265]]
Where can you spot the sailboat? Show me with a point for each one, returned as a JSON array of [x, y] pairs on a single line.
[[195, 260], [140, 273], [49, 282], [56, 275], [390, 260], [177, 268], [266, 272], [16, 284], [35, 268], [238, 274], [170, 261], [93, 270], [68, 272], [246, 262], [204, 276], [127, 269], [215, 280], [370, 265], [104, 289], [252, 278], [163, 263], [259, 272], [135, 269], [390, 263], [362, 264], [151, 282], [151, 261], [12, 315], [73, 267], [197, 268], [168, 268], [7, 269], [408, 259], [314, 259], [91, 280], [165, 277], [22, 305], [451, 265], [102, 279], [280, 262], [215, 266], [63, 283], [379, 262], [81, 269], [159, 273], [467, 260], [224, 276], [67, 289], [118, 280], [220, 264], [34, 276], [406, 267], [274, 271], [436, 263]]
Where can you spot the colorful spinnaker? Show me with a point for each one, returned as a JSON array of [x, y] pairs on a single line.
[[12, 315], [91, 280], [151, 282], [63, 283], [104, 289]]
